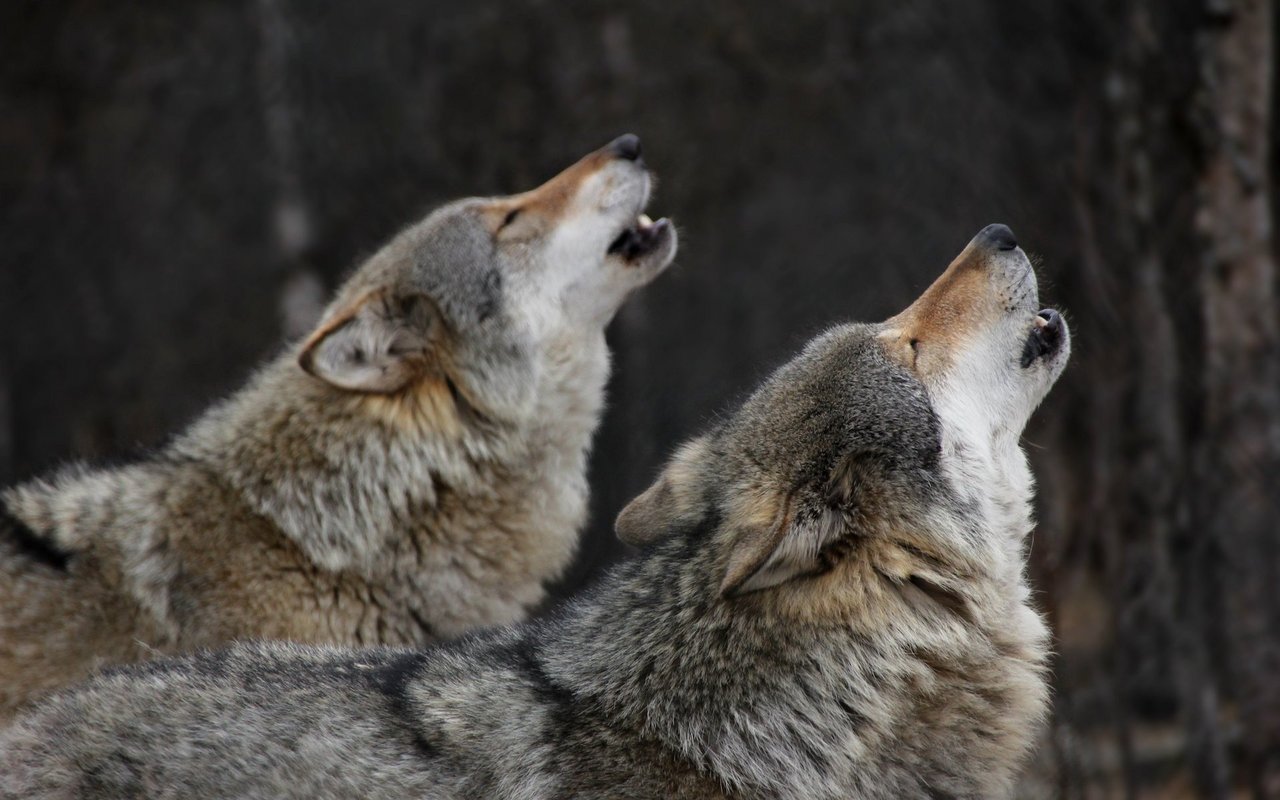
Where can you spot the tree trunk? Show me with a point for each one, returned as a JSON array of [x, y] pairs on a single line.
[[1241, 445]]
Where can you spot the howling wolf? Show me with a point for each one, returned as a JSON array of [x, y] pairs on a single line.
[[413, 469]]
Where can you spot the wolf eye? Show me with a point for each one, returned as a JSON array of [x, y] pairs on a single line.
[[915, 349], [511, 217]]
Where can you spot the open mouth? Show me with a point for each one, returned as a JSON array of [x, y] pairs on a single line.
[[640, 239], [1045, 338]]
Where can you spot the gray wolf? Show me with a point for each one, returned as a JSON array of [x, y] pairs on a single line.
[[829, 603], [413, 469]]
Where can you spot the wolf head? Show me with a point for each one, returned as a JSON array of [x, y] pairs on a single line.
[[453, 384], [884, 459], [469, 298]]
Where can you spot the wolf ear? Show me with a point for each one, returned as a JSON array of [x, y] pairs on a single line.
[[784, 535], [378, 344], [674, 503]]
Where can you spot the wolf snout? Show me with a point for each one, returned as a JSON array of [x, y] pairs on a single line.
[[996, 237], [626, 147]]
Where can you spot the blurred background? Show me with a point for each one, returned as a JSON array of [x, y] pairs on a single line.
[[181, 184]]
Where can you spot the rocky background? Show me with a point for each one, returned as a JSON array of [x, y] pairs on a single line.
[[181, 184]]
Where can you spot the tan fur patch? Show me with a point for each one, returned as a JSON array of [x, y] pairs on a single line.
[[874, 583], [552, 200], [427, 406], [962, 300]]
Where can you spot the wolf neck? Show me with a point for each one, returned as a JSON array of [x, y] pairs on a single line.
[[355, 489], [987, 468]]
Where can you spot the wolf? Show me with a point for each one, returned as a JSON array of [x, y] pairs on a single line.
[[413, 469], [829, 602]]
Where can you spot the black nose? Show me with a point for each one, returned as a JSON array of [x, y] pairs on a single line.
[[997, 236], [626, 146]]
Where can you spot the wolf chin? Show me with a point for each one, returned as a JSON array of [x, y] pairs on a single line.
[[830, 602], [413, 469]]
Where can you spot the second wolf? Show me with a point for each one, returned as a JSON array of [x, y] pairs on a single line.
[[831, 604], [413, 469]]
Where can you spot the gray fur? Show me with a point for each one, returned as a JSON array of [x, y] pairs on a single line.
[[890, 651], [416, 468]]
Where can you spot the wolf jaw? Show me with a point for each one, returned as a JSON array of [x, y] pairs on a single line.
[[1045, 338], [641, 239]]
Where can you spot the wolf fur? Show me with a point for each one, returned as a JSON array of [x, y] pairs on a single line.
[[412, 470], [830, 603]]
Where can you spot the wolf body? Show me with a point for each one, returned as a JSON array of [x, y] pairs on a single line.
[[412, 470], [830, 602]]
